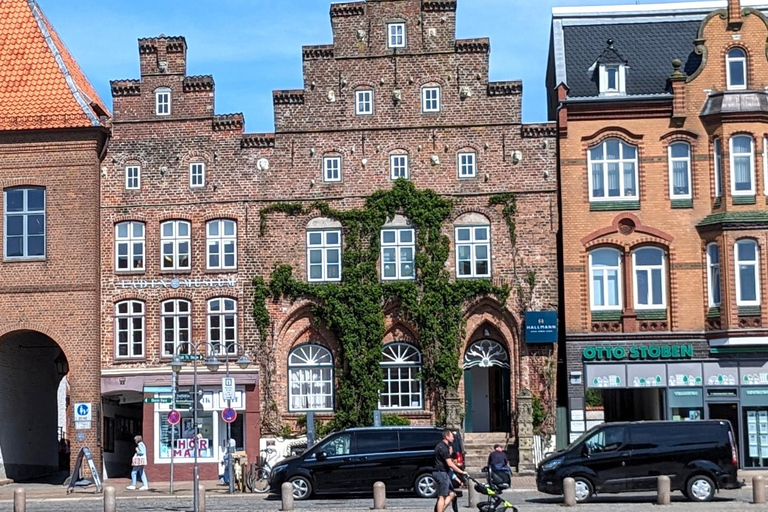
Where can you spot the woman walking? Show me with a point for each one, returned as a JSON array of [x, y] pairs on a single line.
[[138, 462]]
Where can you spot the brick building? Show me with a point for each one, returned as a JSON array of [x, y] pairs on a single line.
[[394, 96], [52, 140], [663, 166]]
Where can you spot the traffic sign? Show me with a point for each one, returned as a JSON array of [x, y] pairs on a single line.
[[191, 357], [82, 425], [229, 415], [228, 388], [174, 417], [158, 400], [183, 397], [83, 411]]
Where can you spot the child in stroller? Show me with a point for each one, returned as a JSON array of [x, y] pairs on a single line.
[[497, 481]]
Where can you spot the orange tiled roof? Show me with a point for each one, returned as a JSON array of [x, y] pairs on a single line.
[[41, 85]]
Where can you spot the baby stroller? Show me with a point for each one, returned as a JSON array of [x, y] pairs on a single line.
[[497, 482]]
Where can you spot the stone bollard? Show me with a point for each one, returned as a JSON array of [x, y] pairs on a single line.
[[473, 495], [758, 489], [663, 490], [379, 496], [201, 497], [569, 492], [286, 491], [19, 500], [110, 504]]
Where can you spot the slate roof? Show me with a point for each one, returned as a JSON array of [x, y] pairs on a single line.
[[41, 85]]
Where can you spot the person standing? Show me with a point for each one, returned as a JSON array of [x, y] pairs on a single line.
[[139, 462], [444, 462]]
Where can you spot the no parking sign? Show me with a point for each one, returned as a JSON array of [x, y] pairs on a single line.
[[229, 415]]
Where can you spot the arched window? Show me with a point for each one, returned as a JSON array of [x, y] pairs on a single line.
[[310, 372], [713, 275], [222, 325], [736, 69], [747, 273], [400, 366], [613, 171], [605, 279], [650, 285], [177, 322], [129, 329], [472, 238], [129, 246], [175, 239], [742, 165], [680, 170], [222, 244]]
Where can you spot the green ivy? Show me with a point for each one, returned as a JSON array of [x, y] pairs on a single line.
[[509, 202], [353, 309], [393, 420]]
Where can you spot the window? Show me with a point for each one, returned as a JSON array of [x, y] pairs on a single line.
[[473, 249], [129, 246], [364, 102], [337, 446], [680, 170], [612, 79], [332, 169], [222, 325], [400, 365], [398, 167], [163, 102], [24, 222], [605, 279], [175, 242], [742, 166], [377, 441], [397, 254], [310, 372], [133, 177], [614, 171], [396, 35], [467, 164], [718, 147], [650, 285], [177, 320], [430, 99], [222, 244], [323, 256], [129, 328], [713, 275], [736, 69], [197, 175], [747, 273], [606, 440]]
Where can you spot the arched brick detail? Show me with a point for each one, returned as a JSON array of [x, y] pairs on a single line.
[[221, 215], [174, 294], [32, 181], [399, 331], [133, 217], [28, 326], [488, 212], [430, 81], [167, 216], [608, 132], [123, 296]]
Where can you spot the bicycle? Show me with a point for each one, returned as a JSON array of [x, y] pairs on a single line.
[[257, 479]]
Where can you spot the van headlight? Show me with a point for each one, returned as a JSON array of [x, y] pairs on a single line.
[[552, 464]]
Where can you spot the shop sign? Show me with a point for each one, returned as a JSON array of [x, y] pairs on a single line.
[[541, 327], [186, 448], [637, 352], [174, 284]]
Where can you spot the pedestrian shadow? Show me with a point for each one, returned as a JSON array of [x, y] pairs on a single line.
[[624, 499]]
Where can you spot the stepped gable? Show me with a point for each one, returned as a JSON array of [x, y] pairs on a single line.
[[41, 85]]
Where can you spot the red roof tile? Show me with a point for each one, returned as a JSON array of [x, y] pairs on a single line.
[[41, 85]]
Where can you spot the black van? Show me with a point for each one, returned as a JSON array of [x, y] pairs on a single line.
[[352, 460], [699, 457]]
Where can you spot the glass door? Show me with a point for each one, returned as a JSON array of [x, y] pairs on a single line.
[[756, 437]]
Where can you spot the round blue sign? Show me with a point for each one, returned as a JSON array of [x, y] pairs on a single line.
[[229, 415]]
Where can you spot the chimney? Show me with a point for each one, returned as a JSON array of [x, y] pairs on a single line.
[[677, 80], [734, 14]]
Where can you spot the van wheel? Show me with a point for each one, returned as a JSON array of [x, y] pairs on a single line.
[[584, 489], [302, 488], [700, 488], [426, 486]]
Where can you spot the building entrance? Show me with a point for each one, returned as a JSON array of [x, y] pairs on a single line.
[[486, 387]]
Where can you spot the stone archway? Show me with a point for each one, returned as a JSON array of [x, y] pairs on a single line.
[[487, 387]]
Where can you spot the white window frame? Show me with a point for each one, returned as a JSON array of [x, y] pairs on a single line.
[[741, 59], [176, 240], [131, 241], [220, 240], [324, 247], [132, 177], [399, 166], [619, 282], [717, 148], [604, 163], [25, 213], [714, 275], [426, 99], [466, 164], [163, 101], [197, 175], [687, 160], [756, 272], [620, 85], [395, 40], [174, 311], [313, 358], [397, 245], [399, 357], [751, 154], [363, 105], [130, 316], [648, 269], [220, 310], [331, 164], [473, 244]]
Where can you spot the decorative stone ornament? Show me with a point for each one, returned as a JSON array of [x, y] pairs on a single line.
[[360, 35], [397, 96], [364, 161], [517, 156], [262, 164], [465, 92], [311, 151], [331, 96], [434, 160]]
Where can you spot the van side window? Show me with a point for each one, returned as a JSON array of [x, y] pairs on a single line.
[[339, 445], [606, 440], [377, 442], [413, 441]]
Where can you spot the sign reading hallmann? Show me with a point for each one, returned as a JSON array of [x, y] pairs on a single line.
[[637, 352]]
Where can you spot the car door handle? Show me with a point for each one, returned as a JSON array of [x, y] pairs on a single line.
[[623, 463], [362, 458]]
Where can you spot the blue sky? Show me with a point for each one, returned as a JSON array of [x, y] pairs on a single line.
[[254, 46]]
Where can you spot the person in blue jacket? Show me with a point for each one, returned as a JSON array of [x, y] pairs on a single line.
[[141, 451]]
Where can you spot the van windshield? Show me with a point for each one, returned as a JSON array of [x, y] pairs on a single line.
[[582, 437]]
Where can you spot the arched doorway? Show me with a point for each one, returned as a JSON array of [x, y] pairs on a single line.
[[33, 406], [486, 387]]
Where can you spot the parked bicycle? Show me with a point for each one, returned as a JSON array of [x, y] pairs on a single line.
[[259, 473]]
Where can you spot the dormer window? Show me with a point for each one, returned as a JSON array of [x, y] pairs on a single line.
[[612, 79], [736, 69], [395, 35], [163, 102]]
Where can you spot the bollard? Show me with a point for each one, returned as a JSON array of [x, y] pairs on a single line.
[[19, 500], [758, 489], [663, 490], [201, 497], [110, 505], [569, 492], [473, 495], [379, 496], [286, 491]]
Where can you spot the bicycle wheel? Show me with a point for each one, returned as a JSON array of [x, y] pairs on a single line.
[[260, 482]]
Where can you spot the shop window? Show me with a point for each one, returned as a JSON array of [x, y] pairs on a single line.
[[129, 329], [177, 321], [401, 365], [742, 165], [613, 171], [650, 278], [605, 279], [747, 273], [222, 325], [129, 246], [24, 227], [175, 240], [736, 69], [679, 170], [310, 374], [221, 244], [713, 275]]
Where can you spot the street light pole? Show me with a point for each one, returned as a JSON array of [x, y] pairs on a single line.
[[195, 474], [230, 452]]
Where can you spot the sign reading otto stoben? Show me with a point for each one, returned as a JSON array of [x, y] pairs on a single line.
[[637, 352], [135, 284]]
